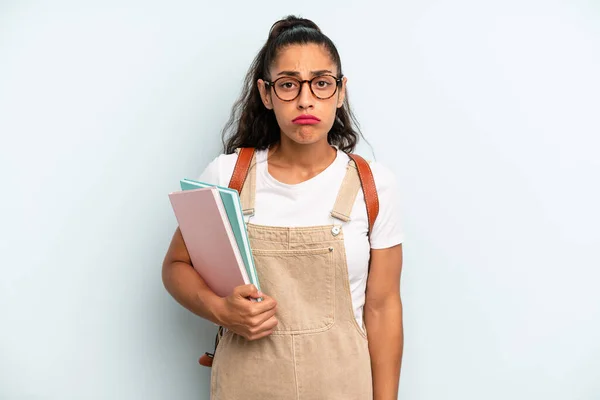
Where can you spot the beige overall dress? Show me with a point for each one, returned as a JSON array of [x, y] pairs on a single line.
[[317, 351]]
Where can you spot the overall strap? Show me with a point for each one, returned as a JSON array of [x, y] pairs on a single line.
[[358, 175], [243, 178], [347, 194]]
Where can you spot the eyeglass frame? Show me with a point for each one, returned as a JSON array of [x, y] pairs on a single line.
[[338, 83]]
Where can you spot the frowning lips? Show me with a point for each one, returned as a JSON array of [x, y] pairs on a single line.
[[306, 119]]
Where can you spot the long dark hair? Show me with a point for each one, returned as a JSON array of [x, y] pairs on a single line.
[[251, 124]]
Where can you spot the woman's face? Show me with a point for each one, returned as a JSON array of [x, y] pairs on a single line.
[[303, 62]]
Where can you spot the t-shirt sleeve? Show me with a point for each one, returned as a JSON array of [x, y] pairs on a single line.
[[210, 174], [219, 170], [387, 231]]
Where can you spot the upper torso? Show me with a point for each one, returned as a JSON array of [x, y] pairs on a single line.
[[310, 204]]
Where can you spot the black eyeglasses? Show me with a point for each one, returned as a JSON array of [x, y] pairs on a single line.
[[287, 88]]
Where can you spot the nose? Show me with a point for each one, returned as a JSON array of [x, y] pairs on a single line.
[[306, 99]]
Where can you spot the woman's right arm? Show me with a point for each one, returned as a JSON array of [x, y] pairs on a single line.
[[185, 284], [252, 320]]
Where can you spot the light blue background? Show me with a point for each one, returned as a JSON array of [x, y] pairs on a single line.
[[487, 111]]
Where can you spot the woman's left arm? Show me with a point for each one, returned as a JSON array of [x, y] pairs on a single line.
[[383, 320]]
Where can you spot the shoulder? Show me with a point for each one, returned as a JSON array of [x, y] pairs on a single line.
[[383, 176], [387, 189], [387, 231], [220, 169]]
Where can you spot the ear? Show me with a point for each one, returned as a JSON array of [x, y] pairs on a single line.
[[342, 93], [265, 95]]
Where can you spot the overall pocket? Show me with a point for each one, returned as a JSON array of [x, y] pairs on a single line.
[[303, 284]]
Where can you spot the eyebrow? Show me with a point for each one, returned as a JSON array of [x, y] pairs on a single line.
[[313, 73]]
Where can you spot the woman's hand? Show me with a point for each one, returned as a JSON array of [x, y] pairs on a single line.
[[250, 319]]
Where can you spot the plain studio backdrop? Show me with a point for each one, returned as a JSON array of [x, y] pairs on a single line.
[[487, 111]]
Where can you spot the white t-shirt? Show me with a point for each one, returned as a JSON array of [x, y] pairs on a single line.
[[310, 203]]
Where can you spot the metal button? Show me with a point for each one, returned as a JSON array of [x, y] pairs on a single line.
[[335, 230]]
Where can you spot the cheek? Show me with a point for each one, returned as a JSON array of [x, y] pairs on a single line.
[[284, 113], [329, 111]]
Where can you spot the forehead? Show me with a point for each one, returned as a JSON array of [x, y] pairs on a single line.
[[303, 58]]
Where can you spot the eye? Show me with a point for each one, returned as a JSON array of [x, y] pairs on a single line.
[[287, 84], [323, 83]]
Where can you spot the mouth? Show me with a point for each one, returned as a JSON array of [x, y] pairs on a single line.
[[306, 119]]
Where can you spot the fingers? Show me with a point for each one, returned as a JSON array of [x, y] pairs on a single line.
[[262, 330], [267, 304], [259, 336], [253, 320], [247, 291], [256, 295], [259, 319]]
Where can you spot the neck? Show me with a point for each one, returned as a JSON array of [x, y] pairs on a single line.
[[303, 156]]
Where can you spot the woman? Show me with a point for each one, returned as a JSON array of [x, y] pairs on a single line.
[[330, 323]]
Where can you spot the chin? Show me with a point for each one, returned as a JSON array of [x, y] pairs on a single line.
[[307, 136]]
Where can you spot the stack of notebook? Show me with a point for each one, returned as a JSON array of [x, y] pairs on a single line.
[[212, 225]]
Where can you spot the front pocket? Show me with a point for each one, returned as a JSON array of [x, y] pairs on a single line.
[[303, 284]]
